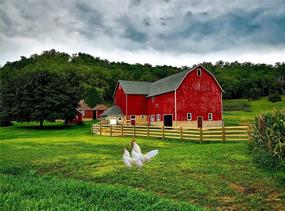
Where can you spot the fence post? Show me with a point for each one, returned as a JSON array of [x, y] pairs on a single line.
[[100, 128], [110, 130], [122, 130], [92, 129], [134, 131], [201, 135], [224, 133], [248, 132], [162, 132], [181, 134], [147, 131]]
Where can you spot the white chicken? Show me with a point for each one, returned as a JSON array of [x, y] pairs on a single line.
[[137, 154], [128, 161]]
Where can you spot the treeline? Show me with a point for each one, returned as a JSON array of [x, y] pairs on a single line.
[[94, 79], [239, 80]]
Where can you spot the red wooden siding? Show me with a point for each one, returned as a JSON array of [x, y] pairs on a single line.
[[161, 104], [98, 113], [88, 114], [120, 98], [130, 104], [198, 95], [136, 105]]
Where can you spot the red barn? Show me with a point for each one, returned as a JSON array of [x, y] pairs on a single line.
[[189, 98]]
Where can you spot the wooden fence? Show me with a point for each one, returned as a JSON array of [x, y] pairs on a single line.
[[235, 133]]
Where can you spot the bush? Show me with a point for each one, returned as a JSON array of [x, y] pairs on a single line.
[[236, 105], [275, 97], [268, 140]]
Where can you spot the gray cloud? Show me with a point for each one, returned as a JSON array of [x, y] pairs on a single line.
[[202, 29]]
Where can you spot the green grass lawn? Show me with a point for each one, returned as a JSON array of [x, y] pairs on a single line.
[[68, 169], [256, 107]]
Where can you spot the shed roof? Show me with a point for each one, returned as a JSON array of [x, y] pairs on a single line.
[[82, 106], [113, 111], [100, 107]]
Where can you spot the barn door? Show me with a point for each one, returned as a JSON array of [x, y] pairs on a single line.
[[133, 120], [200, 121], [168, 120]]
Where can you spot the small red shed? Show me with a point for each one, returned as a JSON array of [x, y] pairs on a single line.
[[99, 109], [85, 110]]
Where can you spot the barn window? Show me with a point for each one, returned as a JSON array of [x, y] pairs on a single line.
[[156, 105], [210, 116], [152, 118], [157, 117], [189, 116], [152, 99], [199, 72]]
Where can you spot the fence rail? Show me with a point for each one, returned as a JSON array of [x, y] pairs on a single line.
[[234, 133]]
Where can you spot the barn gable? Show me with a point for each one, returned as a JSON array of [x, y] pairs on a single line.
[[172, 83]]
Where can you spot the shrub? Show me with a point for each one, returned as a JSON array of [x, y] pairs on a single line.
[[268, 140], [275, 97], [236, 105]]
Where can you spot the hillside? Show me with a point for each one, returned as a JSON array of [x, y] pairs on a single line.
[[247, 114]]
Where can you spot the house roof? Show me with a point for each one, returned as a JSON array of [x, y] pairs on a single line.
[[83, 106], [164, 85], [113, 111], [100, 107]]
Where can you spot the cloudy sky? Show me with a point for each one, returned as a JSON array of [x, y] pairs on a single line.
[[173, 32]]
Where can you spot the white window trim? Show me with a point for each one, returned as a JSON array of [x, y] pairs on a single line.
[[210, 115], [199, 70], [152, 118], [158, 117], [189, 119]]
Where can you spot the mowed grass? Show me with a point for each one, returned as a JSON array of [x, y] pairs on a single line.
[[256, 107], [67, 168]]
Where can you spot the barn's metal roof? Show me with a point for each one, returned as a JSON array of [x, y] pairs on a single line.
[[164, 85], [135, 87], [113, 111], [167, 84]]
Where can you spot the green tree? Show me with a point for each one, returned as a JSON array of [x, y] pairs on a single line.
[[94, 96], [45, 95]]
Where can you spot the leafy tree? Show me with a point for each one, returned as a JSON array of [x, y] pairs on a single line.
[[46, 95], [94, 97]]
